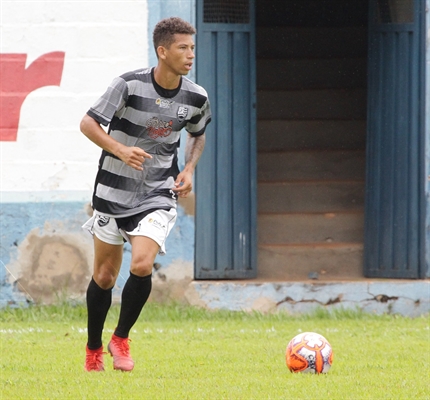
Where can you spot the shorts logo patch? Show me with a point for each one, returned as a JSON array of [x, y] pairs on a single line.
[[182, 113], [103, 220], [156, 223]]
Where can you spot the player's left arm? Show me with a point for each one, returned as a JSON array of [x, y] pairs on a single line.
[[193, 151]]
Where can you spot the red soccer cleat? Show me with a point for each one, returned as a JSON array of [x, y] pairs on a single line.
[[94, 360], [120, 351]]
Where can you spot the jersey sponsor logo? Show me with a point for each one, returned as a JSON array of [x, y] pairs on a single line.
[[157, 128], [182, 113], [103, 220], [163, 103]]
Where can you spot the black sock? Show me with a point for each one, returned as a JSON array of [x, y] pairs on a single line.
[[98, 303], [134, 295]]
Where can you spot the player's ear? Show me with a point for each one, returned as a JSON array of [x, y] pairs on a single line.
[[161, 51]]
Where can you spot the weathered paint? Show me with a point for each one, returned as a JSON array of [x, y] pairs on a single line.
[[409, 298], [43, 246]]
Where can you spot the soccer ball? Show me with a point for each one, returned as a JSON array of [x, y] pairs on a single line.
[[309, 352]]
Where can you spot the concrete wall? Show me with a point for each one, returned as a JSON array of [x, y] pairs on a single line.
[[56, 59], [404, 297], [71, 51]]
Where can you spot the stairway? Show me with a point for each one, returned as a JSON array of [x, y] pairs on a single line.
[[311, 110]]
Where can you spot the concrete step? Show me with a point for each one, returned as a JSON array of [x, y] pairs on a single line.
[[275, 74], [280, 134], [345, 104], [323, 261], [311, 42], [281, 229], [311, 165], [313, 196]]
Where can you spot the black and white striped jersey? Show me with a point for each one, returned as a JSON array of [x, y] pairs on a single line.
[[140, 113]]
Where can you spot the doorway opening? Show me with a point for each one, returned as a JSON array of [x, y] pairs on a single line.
[[311, 138]]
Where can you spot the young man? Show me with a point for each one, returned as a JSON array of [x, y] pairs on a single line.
[[138, 180]]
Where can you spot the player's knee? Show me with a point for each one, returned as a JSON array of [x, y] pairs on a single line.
[[142, 267], [105, 279]]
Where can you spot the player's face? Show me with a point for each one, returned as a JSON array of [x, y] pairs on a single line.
[[180, 55]]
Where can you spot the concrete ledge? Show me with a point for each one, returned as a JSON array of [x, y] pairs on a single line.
[[408, 298]]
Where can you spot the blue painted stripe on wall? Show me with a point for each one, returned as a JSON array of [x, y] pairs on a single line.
[[18, 219]]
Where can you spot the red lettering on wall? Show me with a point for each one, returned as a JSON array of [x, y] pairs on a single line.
[[16, 82]]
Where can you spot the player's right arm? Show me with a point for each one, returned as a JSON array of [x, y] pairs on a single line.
[[132, 156]]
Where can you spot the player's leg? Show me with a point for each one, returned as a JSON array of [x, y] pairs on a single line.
[[147, 239], [139, 284], [107, 264], [134, 296], [108, 249]]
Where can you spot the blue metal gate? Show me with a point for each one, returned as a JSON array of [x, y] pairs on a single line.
[[394, 226], [226, 175]]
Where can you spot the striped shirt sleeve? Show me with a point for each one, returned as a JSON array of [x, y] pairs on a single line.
[[110, 103], [197, 124]]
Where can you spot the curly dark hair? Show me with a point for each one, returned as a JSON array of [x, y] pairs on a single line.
[[165, 30]]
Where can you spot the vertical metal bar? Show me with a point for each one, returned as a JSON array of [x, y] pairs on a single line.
[[205, 176], [401, 143], [224, 153], [371, 236], [416, 163], [386, 149], [241, 153], [252, 93], [424, 49]]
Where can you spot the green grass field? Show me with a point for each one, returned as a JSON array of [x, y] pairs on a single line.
[[188, 353]]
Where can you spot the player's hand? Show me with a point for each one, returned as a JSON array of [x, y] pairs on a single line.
[[183, 184], [133, 156]]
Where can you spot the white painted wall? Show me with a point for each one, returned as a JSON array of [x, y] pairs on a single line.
[[47, 174], [101, 39]]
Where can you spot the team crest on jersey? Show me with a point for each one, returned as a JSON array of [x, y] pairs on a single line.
[[163, 103], [182, 113]]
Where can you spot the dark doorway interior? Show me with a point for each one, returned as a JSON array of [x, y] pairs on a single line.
[[311, 134]]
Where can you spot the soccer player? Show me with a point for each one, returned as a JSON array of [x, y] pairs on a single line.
[[138, 180]]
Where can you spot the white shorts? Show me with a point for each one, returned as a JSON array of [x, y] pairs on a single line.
[[156, 226]]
